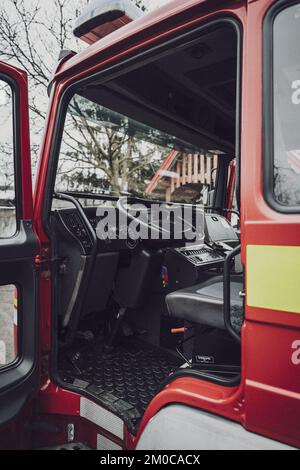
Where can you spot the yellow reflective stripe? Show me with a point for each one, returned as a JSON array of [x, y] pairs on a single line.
[[273, 277]]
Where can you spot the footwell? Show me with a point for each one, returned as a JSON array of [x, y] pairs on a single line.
[[123, 378]]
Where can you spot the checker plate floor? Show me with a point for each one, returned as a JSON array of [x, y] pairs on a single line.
[[123, 379]]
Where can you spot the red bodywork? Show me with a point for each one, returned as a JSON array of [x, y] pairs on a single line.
[[272, 385], [268, 399]]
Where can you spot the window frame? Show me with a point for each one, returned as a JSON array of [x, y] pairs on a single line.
[[268, 108], [16, 154], [17, 151]]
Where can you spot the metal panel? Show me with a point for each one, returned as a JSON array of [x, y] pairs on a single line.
[[101, 417], [180, 427], [106, 444]]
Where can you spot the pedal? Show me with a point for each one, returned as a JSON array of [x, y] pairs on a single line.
[[77, 361], [140, 331], [86, 335], [126, 329]]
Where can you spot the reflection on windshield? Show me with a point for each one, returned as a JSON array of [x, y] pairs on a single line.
[[140, 220], [104, 152]]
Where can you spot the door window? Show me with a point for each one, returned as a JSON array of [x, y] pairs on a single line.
[[7, 182], [286, 106], [8, 295], [8, 325]]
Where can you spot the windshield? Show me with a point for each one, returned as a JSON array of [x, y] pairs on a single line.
[[106, 152]]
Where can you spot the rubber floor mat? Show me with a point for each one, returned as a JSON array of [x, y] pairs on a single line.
[[124, 379]]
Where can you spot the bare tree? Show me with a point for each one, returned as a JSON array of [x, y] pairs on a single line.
[[6, 143], [32, 38], [102, 151]]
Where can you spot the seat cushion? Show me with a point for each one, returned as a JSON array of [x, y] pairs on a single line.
[[203, 303]]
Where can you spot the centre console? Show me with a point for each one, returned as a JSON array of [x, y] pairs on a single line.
[[200, 256], [185, 264]]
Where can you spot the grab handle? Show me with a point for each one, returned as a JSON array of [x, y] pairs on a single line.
[[226, 293]]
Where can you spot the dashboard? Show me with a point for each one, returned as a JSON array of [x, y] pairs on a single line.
[[76, 226], [127, 270], [83, 229]]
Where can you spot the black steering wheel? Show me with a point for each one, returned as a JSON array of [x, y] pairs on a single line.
[[163, 220]]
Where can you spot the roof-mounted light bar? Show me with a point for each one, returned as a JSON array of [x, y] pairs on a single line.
[[102, 17]]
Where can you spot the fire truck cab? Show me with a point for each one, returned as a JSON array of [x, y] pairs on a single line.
[[161, 342]]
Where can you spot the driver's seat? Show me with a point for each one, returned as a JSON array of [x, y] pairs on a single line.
[[203, 303]]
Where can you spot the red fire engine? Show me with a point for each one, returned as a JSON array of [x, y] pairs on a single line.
[[156, 343]]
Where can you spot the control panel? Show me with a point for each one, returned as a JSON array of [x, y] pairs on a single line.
[[185, 265], [75, 225], [200, 255], [93, 221]]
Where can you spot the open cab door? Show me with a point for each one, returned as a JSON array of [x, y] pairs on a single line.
[[271, 228], [18, 249]]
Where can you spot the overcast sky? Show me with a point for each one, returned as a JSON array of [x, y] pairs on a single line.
[[155, 3], [48, 12]]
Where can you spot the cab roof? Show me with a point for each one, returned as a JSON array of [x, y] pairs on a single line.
[[78, 61]]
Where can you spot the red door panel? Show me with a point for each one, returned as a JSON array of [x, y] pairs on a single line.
[[272, 377]]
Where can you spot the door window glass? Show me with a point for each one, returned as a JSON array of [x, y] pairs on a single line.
[[8, 324], [7, 182], [286, 106]]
